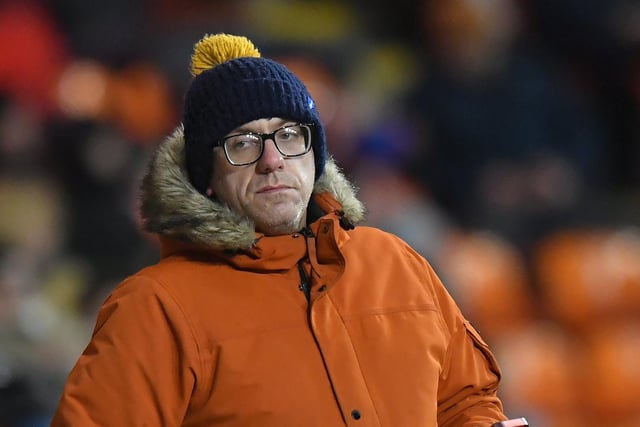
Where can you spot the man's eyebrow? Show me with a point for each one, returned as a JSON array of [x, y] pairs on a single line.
[[247, 128], [242, 129]]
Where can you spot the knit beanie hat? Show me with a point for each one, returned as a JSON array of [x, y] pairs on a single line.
[[234, 85]]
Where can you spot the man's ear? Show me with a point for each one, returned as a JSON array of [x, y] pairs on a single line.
[[209, 192]]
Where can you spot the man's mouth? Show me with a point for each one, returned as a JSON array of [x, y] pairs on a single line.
[[273, 189]]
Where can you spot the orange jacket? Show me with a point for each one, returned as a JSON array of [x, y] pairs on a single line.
[[329, 327]]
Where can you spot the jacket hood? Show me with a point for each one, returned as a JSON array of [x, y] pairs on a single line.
[[170, 206]]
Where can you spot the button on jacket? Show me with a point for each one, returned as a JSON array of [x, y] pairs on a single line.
[[331, 326]]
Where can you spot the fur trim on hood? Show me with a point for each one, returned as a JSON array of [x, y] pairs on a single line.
[[172, 207]]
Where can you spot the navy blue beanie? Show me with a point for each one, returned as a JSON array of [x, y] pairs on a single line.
[[232, 89]]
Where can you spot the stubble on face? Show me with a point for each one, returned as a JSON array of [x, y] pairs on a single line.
[[279, 211]]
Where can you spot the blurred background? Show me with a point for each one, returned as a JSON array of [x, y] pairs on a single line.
[[500, 138]]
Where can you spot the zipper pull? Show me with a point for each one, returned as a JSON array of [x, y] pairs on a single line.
[[304, 281]]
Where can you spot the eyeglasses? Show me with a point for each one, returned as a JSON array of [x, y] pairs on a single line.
[[246, 148]]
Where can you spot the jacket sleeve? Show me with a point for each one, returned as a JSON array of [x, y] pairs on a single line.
[[467, 392], [140, 366]]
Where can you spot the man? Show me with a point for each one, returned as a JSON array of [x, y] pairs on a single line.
[[268, 307]]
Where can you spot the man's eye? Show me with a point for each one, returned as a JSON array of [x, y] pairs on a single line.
[[243, 142], [289, 133]]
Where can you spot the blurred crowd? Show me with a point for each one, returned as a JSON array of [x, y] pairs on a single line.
[[500, 138]]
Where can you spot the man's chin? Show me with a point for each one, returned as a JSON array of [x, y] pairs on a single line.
[[278, 221]]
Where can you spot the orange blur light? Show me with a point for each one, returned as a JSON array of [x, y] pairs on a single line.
[[82, 88]]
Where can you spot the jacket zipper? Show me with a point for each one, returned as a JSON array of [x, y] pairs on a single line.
[[305, 286]]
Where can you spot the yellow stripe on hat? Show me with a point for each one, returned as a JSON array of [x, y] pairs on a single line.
[[215, 49]]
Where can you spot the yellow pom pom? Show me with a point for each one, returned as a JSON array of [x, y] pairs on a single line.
[[218, 48]]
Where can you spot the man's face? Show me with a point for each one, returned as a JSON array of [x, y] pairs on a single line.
[[274, 191]]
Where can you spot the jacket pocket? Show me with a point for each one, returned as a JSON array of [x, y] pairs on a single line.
[[480, 343]]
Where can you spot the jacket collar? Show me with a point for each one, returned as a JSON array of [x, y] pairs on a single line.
[[172, 208]]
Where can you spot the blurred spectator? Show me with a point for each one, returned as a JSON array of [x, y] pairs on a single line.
[[505, 145], [597, 44], [99, 169]]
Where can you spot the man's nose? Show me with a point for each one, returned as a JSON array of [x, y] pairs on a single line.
[[271, 158]]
